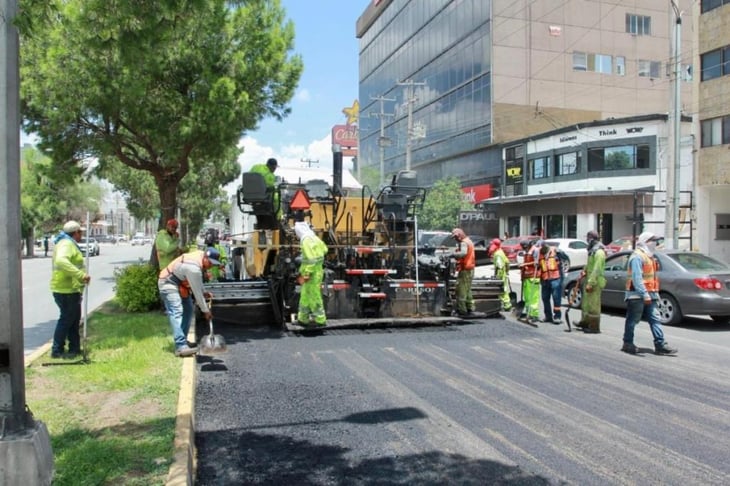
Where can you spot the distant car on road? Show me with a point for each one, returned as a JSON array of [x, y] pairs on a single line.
[[90, 245], [512, 247], [138, 240], [690, 283], [575, 250], [625, 243]]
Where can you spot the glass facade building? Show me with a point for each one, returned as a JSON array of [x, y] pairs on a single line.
[[430, 62]]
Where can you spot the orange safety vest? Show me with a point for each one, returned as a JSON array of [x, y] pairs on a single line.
[[167, 272], [529, 269], [468, 261], [549, 265], [648, 273]]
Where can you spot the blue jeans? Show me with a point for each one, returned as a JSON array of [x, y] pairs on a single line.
[[551, 290], [179, 312], [67, 326], [636, 310]]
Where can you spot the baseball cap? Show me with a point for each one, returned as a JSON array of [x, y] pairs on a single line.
[[646, 236], [172, 222], [71, 227], [213, 255]]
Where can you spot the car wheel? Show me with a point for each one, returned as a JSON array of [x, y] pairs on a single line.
[[668, 309], [577, 299], [566, 265], [720, 319]]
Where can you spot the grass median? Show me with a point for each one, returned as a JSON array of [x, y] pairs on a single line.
[[112, 419]]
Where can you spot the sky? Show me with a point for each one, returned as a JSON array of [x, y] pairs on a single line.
[[325, 38]]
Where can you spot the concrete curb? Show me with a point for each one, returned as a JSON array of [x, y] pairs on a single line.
[[184, 461]]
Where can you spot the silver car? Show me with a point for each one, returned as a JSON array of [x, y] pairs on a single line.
[[689, 282], [90, 245]]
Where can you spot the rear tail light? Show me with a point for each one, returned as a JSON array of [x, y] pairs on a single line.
[[708, 283]]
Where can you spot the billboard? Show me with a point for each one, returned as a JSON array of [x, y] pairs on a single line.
[[346, 137]]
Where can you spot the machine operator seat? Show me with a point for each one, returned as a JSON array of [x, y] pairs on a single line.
[[256, 194]]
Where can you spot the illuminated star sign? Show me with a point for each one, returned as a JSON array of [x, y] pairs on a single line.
[[352, 113]]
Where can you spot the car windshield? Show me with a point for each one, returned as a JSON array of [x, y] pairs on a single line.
[[698, 261], [511, 242]]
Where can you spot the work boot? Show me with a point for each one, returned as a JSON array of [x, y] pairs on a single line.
[[185, 350], [581, 324], [629, 348], [593, 325], [664, 349]]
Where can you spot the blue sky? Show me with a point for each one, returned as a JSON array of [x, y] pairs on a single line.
[[325, 38]]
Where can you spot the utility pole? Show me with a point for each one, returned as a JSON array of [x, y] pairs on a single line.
[[383, 141], [410, 99], [25, 446], [309, 162], [673, 173]]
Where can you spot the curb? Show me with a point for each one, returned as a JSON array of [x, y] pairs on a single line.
[[184, 461]]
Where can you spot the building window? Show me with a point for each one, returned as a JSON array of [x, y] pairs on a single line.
[[580, 61], [715, 131], [715, 63], [624, 157], [638, 24], [708, 5], [620, 66], [554, 226], [649, 69], [596, 63], [568, 163], [540, 168], [722, 226]]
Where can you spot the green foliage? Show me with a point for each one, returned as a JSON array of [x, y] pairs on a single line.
[[167, 88], [49, 198], [136, 287], [113, 421], [443, 203]]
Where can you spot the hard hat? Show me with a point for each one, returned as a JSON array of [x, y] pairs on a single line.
[[213, 256]]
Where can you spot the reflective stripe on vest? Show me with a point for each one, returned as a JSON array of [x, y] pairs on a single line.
[[529, 270], [648, 273], [549, 265]]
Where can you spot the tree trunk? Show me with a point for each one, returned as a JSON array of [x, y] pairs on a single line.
[[168, 202]]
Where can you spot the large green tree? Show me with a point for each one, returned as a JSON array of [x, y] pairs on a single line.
[[443, 203], [166, 87]]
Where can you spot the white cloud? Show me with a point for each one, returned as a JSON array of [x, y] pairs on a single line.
[[303, 95], [289, 156]]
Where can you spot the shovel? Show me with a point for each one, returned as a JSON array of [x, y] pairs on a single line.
[[212, 343]]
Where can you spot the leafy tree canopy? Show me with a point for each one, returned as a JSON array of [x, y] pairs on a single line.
[[443, 203], [167, 87]]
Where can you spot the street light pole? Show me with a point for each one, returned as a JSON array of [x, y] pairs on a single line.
[[673, 174]]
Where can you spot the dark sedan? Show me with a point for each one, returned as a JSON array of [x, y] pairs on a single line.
[[689, 282]]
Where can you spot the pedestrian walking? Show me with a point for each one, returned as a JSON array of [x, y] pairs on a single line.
[[593, 283], [642, 296], [45, 246], [68, 279]]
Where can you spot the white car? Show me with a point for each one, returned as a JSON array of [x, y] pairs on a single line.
[[576, 251], [90, 245], [138, 240]]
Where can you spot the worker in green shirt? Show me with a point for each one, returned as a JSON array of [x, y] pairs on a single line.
[[167, 244]]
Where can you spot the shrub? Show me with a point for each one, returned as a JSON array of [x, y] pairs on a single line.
[[136, 287]]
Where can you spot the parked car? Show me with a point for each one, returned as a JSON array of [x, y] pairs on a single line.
[[575, 250], [138, 240], [690, 283], [90, 245], [439, 242], [625, 243], [512, 246]]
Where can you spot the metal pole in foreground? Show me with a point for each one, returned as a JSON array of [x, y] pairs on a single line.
[[25, 446]]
